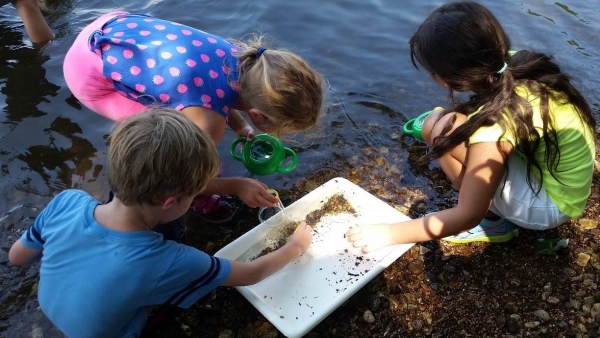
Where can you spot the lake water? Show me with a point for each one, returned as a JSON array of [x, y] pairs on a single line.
[[49, 142]]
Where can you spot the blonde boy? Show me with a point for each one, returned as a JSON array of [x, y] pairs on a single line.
[[102, 267]]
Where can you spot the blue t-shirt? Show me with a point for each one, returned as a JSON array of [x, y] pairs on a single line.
[[98, 282], [156, 61]]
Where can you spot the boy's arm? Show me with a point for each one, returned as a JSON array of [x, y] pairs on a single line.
[[248, 273], [21, 255]]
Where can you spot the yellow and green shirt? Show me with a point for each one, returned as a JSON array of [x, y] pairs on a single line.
[[571, 187]]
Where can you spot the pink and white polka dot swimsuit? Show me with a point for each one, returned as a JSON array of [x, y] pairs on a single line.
[[154, 61]]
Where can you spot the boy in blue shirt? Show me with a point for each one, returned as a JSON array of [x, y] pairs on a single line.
[[102, 268]]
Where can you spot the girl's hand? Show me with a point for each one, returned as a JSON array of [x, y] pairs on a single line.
[[301, 237], [254, 193], [370, 237], [246, 131]]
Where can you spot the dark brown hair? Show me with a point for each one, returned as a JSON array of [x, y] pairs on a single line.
[[465, 46]]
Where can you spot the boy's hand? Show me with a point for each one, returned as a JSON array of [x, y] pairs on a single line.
[[301, 237], [254, 193]]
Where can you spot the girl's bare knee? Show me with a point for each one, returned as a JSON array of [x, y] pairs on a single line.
[[429, 125], [435, 125]]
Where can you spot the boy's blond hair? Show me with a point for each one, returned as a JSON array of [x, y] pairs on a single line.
[[157, 154], [281, 84]]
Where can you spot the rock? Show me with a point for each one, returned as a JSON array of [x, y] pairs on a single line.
[[449, 268], [210, 247], [511, 307], [586, 224], [553, 300], [226, 334], [588, 300], [417, 324], [574, 304], [512, 325], [266, 330], [36, 331], [374, 303], [500, 321], [582, 259], [416, 266], [368, 316], [595, 312], [427, 318], [532, 325], [543, 315]]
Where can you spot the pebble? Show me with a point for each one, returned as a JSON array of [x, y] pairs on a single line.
[[416, 266], [226, 334], [595, 312], [543, 315], [36, 331], [582, 259], [574, 304], [368, 316], [374, 303], [532, 325], [210, 247], [553, 300], [500, 321], [417, 324], [449, 268], [587, 224]]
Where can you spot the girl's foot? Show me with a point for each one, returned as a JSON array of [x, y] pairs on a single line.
[[215, 208], [498, 231]]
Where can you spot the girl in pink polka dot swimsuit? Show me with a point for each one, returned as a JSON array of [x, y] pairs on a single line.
[[122, 63]]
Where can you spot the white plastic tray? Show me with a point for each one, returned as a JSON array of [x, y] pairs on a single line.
[[302, 294]]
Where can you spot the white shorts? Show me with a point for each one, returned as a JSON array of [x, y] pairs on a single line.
[[516, 202]]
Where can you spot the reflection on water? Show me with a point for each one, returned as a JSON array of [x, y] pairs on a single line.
[[48, 142], [22, 78], [69, 161]]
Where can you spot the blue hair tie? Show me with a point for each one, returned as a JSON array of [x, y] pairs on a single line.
[[259, 51], [502, 69]]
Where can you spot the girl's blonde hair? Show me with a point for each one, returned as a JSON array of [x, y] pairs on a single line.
[[280, 84], [157, 154]]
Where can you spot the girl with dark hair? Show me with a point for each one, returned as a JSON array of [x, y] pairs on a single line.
[[520, 150]]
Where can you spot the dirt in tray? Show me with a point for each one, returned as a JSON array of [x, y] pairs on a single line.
[[337, 204]]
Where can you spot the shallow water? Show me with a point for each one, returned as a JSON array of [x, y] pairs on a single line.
[[49, 142]]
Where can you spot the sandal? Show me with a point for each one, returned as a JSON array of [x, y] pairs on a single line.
[[215, 208]]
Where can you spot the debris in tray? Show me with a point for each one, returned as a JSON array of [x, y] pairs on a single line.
[[337, 204]]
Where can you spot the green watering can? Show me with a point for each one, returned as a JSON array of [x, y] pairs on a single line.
[[264, 155], [414, 127]]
